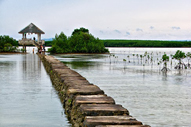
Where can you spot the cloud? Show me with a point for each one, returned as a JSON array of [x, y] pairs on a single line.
[[101, 31], [117, 31], [127, 33], [175, 28], [138, 29], [151, 27]]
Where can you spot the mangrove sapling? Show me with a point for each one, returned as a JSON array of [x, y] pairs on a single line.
[[133, 58], [188, 56], [143, 68], [151, 61], [159, 65], [145, 54], [138, 57], [124, 60], [116, 57], [128, 58], [148, 57], [165, 59], [141, 56], [110, 58], [179, 55]]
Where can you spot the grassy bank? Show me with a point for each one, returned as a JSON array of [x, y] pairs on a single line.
[[140, 43]]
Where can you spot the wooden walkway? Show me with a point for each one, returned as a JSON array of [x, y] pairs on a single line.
[[86, 105]]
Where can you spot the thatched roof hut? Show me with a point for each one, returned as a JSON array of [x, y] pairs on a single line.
[[31, 28]]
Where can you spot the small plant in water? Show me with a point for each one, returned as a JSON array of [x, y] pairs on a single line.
[[179, 55], [165, 59], [188, 56]]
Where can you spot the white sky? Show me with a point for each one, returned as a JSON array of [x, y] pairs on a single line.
[[105, 19]]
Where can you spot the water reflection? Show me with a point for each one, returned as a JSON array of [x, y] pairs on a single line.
[[81, 61], [27, 98]]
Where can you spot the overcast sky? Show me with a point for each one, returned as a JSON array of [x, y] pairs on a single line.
[[105, 19]]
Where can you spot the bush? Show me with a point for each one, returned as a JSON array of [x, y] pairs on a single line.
[[80, 42], [8, 44]]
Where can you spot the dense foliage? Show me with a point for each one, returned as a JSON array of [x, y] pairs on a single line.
[[179, 55], [80, 42], [8, 44], [145, 43], [84, 30], [48, 43]]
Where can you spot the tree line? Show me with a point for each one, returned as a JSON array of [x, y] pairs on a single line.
[[145, 43]]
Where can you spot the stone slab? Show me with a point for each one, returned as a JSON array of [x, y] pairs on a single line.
[[103, 109], [92, 121], [59, 66], [93, 99], [51, 59], [73, 78], [66, 72], [84, 90], [76, 83]]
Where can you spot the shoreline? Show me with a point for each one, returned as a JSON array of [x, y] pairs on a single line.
[[13, 53]]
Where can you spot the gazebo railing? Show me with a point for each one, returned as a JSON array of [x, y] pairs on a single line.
[[26, 41]]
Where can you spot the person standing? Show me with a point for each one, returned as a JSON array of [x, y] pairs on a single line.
[[44, 48]]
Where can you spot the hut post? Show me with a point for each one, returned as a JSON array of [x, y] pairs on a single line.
[[39, 37]]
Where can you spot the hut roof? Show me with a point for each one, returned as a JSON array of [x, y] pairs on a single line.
[[31, 28]]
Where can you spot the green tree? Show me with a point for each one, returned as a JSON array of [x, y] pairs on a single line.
[[165, 59], [80, 42], [188, 55], [60, 44], [84, 30], [86, 43], [179, 55], [8, 44]]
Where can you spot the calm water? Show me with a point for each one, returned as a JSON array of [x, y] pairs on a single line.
[[27, 98], [155, 98]]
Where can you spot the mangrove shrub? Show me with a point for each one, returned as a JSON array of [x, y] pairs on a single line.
[[165, 59], [60, 44], [8, 44], [179, 55], [79, 42]]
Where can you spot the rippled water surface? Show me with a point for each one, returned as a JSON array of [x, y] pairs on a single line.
[[27, 98], [151, 96]]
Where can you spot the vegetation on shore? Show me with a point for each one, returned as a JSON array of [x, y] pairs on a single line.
[[145, 43], [81, 41], [140, 43], [8, 44]]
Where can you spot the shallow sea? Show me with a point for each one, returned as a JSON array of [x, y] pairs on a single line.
[[155, 98], [27, 97]]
